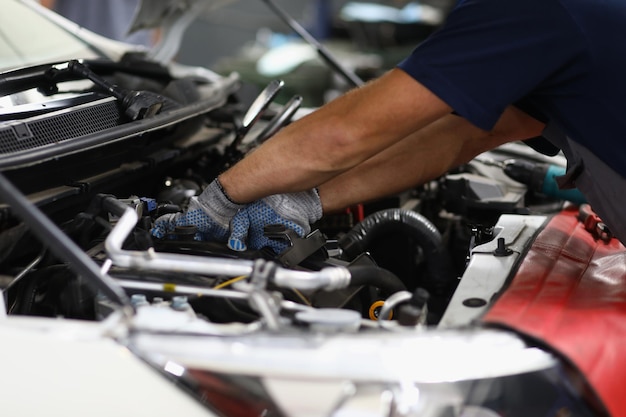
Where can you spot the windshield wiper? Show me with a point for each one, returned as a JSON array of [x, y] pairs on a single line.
[[136, 104], [38, 76]]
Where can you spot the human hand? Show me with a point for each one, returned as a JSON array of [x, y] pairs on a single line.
[[295, 211], [210, 213]]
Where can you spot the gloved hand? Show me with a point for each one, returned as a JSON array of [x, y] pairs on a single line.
[[210, 212], [296, 211]]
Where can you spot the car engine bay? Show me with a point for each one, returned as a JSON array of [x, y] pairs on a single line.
[[85, 180], [106, 148]]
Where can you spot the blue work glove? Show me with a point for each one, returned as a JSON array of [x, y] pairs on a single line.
[[295, 211], [210, 212]]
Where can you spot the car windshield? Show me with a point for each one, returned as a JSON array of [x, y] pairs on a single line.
[[28, 38]]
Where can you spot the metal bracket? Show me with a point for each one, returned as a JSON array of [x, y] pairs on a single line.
[[300, 247]]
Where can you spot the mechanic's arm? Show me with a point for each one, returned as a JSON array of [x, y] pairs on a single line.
[[337, 137], [386, 137], [423, 156]]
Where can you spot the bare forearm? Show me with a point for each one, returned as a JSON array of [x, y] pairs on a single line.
[[386, 137], [421, 157], [336, 138]]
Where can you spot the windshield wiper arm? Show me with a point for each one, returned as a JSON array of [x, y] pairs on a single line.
[[38, 76], [136, 104]]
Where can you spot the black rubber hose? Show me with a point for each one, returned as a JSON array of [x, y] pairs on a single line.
[[438, 262], [376, 277]]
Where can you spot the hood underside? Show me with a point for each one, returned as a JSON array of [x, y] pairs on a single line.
[[172, 17]]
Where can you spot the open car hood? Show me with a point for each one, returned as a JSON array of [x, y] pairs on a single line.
[[172, 17]]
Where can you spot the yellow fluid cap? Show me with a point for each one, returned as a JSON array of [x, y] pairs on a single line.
[[375, 309]]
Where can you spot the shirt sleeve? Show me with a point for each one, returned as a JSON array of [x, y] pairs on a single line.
[[492, 53]]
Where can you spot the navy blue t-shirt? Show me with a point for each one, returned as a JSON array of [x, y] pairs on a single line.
[[564, 59]]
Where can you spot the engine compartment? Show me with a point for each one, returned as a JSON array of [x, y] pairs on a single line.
[[404, 277], [407, 306], [418, 242]]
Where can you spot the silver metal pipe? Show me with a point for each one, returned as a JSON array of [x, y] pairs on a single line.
[[164, 261], [328, 278], [262, 302], [201, 291], [180, 289], [391, 302]]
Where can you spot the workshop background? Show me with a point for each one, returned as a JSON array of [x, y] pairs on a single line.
[[366, 37]]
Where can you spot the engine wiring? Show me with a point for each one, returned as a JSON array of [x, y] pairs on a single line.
[[230, 282]]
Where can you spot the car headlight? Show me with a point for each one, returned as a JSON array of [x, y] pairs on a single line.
[[477, 373]]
